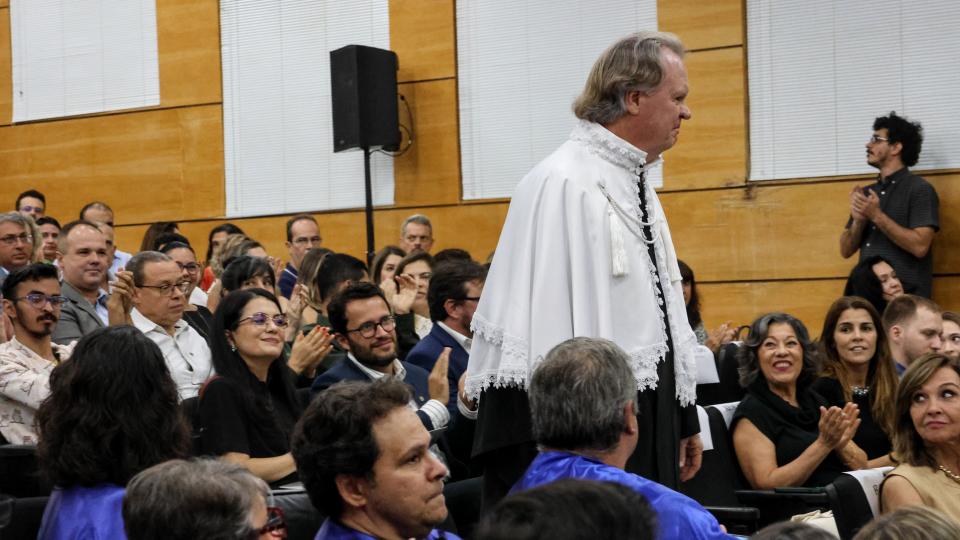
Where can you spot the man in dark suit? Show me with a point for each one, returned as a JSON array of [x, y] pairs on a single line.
[[82, 256], [361, 319], [454, 291]]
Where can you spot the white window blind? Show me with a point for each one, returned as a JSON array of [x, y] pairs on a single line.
[[82, 56], [820, 71], [277, 115], [520, 66]]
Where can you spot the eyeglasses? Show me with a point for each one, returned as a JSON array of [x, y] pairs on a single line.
[[876, 138], [168, 289], [303, 240], [369, 329], [260, 319], [276, 523], [39, 300], [193, 268], [12, 239]]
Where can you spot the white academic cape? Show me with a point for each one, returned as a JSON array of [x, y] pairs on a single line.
[[571, 262]]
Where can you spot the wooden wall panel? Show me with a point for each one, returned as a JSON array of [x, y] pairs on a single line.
[[6, 73], [808, 300], [429, 173], [422, 33], [711, 150], [149, 165], [768, 231], [474, 227], [703, 25], [188, 37]]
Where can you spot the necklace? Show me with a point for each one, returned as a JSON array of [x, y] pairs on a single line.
[[860, 391], [950, 474]]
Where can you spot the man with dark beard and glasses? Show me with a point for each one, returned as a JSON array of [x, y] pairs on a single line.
[[365, 328], [32, 301]]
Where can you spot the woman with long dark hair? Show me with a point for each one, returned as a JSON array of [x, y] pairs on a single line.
[[112, 412], [247, 411], [875, 280], [857, 368], [713, 340]]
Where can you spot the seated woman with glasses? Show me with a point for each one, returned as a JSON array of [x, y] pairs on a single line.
[[247, 411], [98, 431], [785, 433]]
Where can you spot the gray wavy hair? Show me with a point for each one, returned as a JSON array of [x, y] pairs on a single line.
[[635, 63]]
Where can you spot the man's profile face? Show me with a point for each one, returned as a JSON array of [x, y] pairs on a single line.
[[921, 334], [304, 234], [36, 321], [407, 487], [31, 206], [15, 245], [85, 259], [163, 308], [660, 113], [378, 351], [879, 149], [416, 237]]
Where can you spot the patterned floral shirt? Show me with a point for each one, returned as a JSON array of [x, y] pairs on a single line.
[[24, 384]]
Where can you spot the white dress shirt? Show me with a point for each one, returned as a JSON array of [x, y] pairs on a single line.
[[436, 411], [186, 353]]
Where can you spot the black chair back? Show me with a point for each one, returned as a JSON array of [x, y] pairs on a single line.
[[191, 412], [850, 500], [719, 477], [20, 472]]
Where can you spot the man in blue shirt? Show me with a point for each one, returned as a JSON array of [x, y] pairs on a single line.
[[364, 458], [582, 404]]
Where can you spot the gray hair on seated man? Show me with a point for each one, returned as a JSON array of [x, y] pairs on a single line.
[[203, 498], [578, 395], [136, 264]]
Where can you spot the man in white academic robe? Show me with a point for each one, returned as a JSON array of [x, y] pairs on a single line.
[[586, 251]]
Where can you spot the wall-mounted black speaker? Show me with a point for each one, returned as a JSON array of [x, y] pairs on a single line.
[[364, 83]]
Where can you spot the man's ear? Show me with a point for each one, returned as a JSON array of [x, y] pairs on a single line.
[[353, 489], [450, 306], [630, 419], [9, 310], [896, 148], [896, 332], [634, 100], [344, 342]]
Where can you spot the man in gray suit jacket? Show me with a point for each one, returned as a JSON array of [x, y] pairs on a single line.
[[82, 255]]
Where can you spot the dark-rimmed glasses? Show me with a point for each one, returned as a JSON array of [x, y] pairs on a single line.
[[193, 267], [38, 300], [12, 239], [168, 288], [369, 329], [260, 319], [276, 523]]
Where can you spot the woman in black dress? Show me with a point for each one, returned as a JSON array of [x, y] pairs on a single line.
[[857, 367], [784, 432], [248, 410]]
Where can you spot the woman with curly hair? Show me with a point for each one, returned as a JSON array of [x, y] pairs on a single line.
[[112, 412], [784, 432]]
